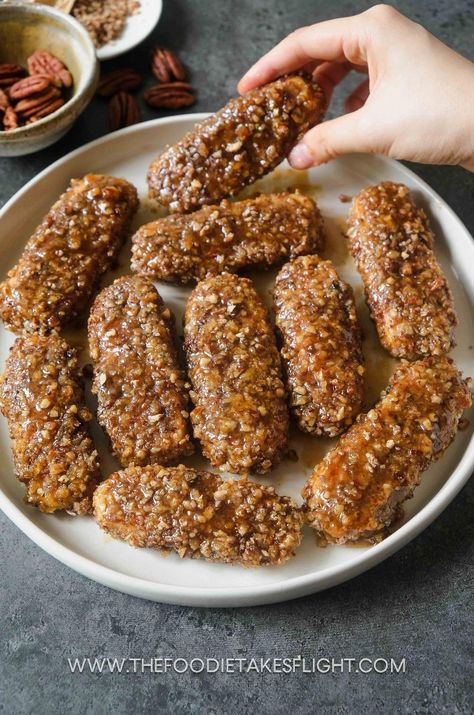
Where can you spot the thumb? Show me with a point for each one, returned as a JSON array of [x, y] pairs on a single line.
[[330, 139]]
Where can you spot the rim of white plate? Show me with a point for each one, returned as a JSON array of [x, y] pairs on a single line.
[[285, 589]]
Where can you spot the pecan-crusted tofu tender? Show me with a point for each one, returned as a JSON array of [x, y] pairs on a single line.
[[41, 395], [198, 514], [321, 345], [407, 293], [64, 259], [228, 237], [356, 491], [143, 405], [240, 414], [246, 139]]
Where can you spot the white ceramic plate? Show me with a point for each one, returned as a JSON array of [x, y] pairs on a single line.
[[137, 28], [80, 544]]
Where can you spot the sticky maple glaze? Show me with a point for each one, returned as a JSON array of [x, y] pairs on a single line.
[[356, 491], [199, 515], [77, 241], [231, 149], [41, 395], [321, 345], [240, 414], [407, 293], [257, 232], [142, 400]]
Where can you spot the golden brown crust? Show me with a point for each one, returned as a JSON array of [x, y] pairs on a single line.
[[321, 345], [356, 491], [198, 514], [41, 395], [229, 150], [142, 401], [407, 293], [240, 415], [228, 237], [62, 262]]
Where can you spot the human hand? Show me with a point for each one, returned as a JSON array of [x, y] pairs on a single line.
[[417, 102]]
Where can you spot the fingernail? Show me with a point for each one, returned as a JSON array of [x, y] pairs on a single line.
[[300, 157]]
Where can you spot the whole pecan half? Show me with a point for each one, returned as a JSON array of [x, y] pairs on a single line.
[[171, 95], [120, 80], [10, 119], [44, 110], [165, 65], [52, 80], [43, 62], [9, 74], [123, 111], [30, 106], [4, 101], [28, 86]]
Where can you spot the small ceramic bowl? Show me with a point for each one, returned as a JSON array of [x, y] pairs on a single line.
[[26, 28]]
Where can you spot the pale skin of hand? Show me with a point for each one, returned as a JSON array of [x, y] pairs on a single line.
[[417, 102]]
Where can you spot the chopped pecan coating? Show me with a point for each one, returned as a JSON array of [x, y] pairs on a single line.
[[229, 150], [228, 237], [407, 293], [143, 405], [355, 493], [41, 395], [62, 262], [240, 414], [321, 345], [198, 514]]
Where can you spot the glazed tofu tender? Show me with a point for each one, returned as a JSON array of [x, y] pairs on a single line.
[[321, 345], [240, 414], [199, 515], [355, 493], [62, 262], [406, 291], [142, 400], [229, 150], [41, 395], [228, 237]]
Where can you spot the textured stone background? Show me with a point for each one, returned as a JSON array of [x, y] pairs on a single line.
[[417, 605]]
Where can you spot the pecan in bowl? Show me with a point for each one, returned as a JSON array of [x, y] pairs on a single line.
[[27, 97], [9, 74]]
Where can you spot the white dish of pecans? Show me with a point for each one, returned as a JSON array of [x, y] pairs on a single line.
[[126, 22], [78, 541]]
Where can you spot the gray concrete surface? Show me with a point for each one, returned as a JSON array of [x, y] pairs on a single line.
[[417, 605]]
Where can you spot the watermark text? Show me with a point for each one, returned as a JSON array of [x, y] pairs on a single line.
[[295, 664]]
